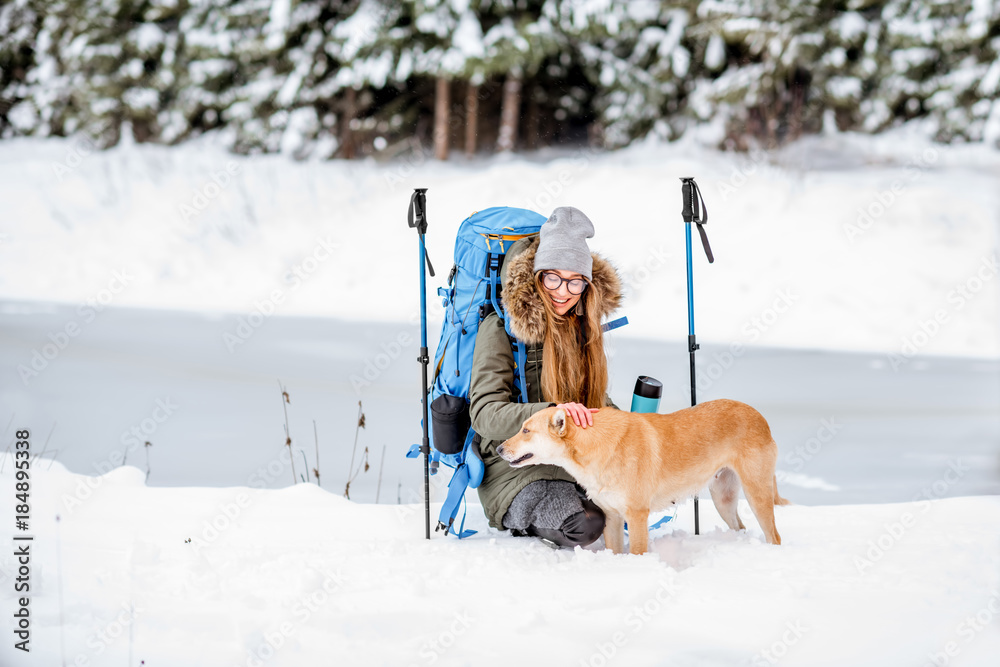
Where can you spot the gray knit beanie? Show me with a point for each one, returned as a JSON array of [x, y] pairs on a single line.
[[562, 242]]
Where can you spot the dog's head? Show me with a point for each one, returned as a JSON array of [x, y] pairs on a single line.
[[542, 439]]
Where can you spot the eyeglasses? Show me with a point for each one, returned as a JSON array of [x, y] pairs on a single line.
[[553, 281]]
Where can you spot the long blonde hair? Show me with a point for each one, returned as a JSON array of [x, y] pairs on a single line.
[[574, 366]]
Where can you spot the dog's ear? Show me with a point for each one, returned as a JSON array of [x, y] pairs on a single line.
[[557, 423]]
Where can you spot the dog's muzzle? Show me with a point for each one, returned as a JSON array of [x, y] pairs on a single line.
[[503, 455]]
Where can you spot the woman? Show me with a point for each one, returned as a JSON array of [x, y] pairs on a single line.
[[555, 294]]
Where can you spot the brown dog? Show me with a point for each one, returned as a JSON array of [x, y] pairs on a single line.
[[632, 464]]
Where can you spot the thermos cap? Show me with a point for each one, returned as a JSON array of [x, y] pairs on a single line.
[[648, 387]]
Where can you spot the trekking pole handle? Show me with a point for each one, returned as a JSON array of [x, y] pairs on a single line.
[[688, 190], [691, 212], [417, 215]]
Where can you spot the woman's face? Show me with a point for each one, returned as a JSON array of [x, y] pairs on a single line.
[[561, 298]]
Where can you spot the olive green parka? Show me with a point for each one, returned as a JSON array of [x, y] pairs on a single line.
[[496, 414]]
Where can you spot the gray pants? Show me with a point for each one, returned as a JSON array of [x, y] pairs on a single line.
[[543, 504], [555, 511]]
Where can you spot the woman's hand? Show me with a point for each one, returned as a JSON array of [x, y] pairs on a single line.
[[581, 414]]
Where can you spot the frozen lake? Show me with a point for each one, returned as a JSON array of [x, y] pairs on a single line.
[[850, 428]]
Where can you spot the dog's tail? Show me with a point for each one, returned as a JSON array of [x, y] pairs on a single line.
[[778, 500]]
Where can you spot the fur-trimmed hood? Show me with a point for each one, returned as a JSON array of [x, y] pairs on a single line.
[[523, 305]]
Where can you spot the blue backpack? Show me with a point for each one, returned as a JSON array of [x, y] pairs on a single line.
[[473, 292]]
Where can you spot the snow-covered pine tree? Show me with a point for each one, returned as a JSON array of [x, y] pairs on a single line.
[[99, 66], [941, 65], [233, 69], [309, 38], [52, 104], [759, 69], [638, 57], [442, 42], [368, 102], [517, 39], [20, 22]]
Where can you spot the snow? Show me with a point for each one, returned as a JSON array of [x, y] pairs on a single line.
[[468, 36], [248, 574], [148, 36], [843, 87], [991, 131], [868, 234], [290, 88], [277, 24], [299, 576], [360, 29], [504, 32], [990, 83], [439, 23], [715, 52], [139, 98], [849, 26]]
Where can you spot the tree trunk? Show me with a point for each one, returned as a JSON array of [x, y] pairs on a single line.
[[471, 118], [347, 147], [442, 117], [509, 113], [531, 130]]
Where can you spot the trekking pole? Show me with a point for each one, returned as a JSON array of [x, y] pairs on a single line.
[[691, 194], [417, 219]]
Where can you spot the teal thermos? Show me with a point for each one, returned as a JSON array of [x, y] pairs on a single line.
[[646, 397]]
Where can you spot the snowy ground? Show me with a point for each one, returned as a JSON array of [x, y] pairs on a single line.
[[159, 294], [298, 576], [848, 243]]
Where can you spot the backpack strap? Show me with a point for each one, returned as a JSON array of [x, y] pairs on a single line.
[[520, 351], [468, 474], [494, 262], [456, 496], [470, 467]]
